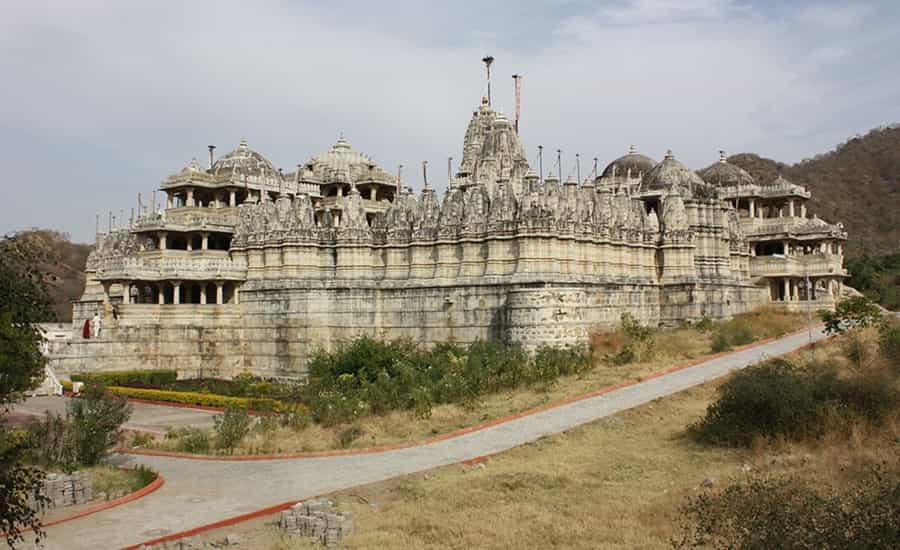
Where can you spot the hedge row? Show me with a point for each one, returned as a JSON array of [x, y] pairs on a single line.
[[194, 398], [155, 377]]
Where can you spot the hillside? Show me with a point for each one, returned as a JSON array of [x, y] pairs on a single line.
[[858, 184], [62, 265]]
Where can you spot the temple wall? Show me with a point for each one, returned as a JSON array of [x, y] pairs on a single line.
[[533, 289], [196, 340]]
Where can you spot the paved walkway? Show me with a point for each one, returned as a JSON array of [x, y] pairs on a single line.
[[198, 492], [144, 417]]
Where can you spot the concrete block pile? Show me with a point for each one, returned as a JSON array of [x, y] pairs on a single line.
[[68, 490], [317, 519]]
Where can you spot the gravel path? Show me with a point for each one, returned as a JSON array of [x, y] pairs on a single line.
[[198, 492]]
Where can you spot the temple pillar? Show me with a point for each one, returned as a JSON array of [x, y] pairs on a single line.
[[795, 291], [176, 292], [786, 287], [190, 242], [161, 293], [787, 248], [791, 208], [162, 240], [220, 294], [126, 293], [203, 295], [204, 244], [190, 198], [168, 199], [803, 210], [232, 198], [752, 208], [373, 193]]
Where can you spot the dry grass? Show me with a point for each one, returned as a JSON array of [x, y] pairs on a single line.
[[616, 483], [114, 481], [664, 349]]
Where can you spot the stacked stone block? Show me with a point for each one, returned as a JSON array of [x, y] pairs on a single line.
[[317, 519], [68, 490]]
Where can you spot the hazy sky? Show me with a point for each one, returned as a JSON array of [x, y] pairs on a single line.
[[102, 100]]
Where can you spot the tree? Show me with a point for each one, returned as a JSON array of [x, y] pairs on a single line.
[[23, 302]]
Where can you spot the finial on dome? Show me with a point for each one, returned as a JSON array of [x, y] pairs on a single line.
[[722, 156], [243, 144], [632, 149], [669, 155], [341, 142]]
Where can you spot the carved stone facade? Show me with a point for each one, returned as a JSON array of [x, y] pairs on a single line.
[[250, 268]]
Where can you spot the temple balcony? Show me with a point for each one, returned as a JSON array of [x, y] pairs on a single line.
[[170, 265], [335, 203], [190, 218], [812, 265], [790, 226]]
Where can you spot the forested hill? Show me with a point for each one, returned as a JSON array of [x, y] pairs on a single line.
[[858, 184], [62, 265]]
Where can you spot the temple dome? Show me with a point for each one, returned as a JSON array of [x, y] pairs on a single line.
[[724, 173], [671, 174], [636, 162], [344, 164], [244, 161]]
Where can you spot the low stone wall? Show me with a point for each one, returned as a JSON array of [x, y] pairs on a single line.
[[318, 520]]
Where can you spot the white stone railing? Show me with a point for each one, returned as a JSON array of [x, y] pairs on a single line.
[[151, 269], [190, 217], [787, 225], [766, 191], [797, 266]]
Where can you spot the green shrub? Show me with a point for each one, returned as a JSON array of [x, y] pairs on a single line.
[[779, 399], [704, 325], [732, 333], [762, 513], [142, 439], [550, 362], [50, 443], [768, 400], [889, 344], [632, 342], [870, 395], [347, 436], [295, 417], [191, 440], [231, 427], [856, 312], [84, 436], [95, 419], [145, 476], [193, 398], [365, 376], [154, 377]]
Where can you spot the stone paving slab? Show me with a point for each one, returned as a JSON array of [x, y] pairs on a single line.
[[198, 492]]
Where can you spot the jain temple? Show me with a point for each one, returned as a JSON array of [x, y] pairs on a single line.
[[247, 267]]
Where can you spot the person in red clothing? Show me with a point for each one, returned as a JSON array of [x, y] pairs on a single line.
[[86, 329]]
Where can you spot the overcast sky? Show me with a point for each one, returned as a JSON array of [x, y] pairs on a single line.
[[102, 100]]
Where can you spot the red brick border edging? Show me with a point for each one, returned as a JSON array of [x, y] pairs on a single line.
[[140, 493]]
